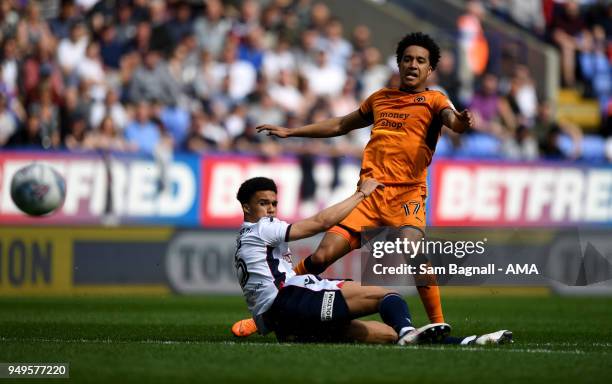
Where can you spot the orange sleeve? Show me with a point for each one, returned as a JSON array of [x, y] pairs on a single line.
[[441, 102], [365, 108]]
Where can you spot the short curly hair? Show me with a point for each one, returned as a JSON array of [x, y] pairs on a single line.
[[254, 185], [421, 40]]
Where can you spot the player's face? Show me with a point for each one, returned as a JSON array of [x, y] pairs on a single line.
[[414, 67], [262, 204]]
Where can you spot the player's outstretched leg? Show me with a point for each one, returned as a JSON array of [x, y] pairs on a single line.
[[393, 310]]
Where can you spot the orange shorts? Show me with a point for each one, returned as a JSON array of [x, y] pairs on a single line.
[[393, 206]]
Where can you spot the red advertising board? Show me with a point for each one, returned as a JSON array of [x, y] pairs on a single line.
[[222, 176], [519, 194]]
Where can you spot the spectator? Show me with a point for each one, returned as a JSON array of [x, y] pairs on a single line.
[[78, 135], [48, 114], [361, 38], [266, 111], [141, 132], [161, 35], [549, 130], [213, 131], [447, 77], [375, 74], [41, 68], [176, 120], [182, 24], [106, 138], [111, 48], [492, 113], [522, 97], [152, 81], [29, 136], [307, 51], [71, 50], [236, 121], [204, 82], [212, 28], [251, 49], [473, 47], [35, 26], [241, 74], [91, 71], [319, 17], [248, 19], [324, 79], [8, 19], [9, 66], [347, 101], [126, 24], [337, 47], [567, 29], [111, 107], [73, 108], [60, 26], [279, 59], [8, 122], [286, 94], [195, 140], [595, 68]]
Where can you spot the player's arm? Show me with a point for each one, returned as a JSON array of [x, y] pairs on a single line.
[[457, 121], [331, 216], [335, 126]]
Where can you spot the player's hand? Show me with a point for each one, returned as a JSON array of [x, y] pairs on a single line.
[[273, 130], [368, 186], [466, 117]]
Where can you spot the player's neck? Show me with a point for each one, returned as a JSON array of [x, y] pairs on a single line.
[[407, 89]]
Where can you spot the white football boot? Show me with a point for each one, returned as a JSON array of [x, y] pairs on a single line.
[[500, 337], [430, 333]]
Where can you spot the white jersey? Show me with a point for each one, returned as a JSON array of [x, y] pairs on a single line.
[[263, 263]]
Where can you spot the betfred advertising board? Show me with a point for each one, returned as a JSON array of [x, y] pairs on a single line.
[[120, 189], [519, 194]]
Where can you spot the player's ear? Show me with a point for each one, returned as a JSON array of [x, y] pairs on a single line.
[[246, 208]]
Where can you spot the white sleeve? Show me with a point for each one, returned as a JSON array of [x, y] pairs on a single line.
[[273, 231]]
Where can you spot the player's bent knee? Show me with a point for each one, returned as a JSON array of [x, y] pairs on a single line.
[[331, 248], [320, 257]]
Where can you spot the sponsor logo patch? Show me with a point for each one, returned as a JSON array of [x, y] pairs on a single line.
[[327, 308]]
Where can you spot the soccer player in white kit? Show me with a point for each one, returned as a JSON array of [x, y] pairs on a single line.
[[307, 307]]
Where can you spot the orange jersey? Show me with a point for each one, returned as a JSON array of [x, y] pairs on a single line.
[[406, 128]]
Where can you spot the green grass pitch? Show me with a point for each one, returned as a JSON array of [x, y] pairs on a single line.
[[187, 339]]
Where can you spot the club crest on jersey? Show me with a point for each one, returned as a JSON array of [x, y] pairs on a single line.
[[419, 99]]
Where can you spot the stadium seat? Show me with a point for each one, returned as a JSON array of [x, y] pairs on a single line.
[[480, 145], [593, 147], [444, 148]]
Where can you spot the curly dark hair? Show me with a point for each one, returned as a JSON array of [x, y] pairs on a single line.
[[254, 185], [421, 40]]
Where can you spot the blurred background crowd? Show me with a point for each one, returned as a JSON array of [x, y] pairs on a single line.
[[158, 77]]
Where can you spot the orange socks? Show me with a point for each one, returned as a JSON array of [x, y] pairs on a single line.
[[430, 296], [300, 269]]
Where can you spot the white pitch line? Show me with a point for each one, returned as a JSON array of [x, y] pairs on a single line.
[[343, 346], [567, 344]]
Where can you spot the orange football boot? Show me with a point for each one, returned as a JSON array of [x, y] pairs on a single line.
[[244, 328]]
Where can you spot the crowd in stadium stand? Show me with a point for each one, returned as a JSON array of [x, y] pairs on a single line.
[[160, 76]]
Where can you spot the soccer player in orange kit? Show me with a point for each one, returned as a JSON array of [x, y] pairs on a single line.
[[406, 124]]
